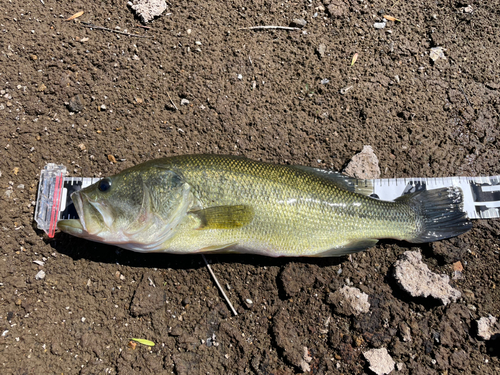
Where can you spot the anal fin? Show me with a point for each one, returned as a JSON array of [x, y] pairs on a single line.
[[350, 248], [219, 249]]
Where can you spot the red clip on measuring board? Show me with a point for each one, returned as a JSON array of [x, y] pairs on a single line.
[[56, 205], [54, 196], [481, 195]]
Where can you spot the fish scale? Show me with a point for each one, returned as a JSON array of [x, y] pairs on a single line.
[[213, 203]]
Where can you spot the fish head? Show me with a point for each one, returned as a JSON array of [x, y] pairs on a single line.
[[137, 209]]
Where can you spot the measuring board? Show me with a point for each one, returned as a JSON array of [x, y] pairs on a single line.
[[481, 195]]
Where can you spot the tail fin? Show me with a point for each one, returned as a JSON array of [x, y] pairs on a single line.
[[440, 214]]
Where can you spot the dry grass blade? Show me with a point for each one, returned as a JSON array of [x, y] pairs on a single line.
[[270, 28], [354, 58], [391, 18], [218, 285], [76, 15]]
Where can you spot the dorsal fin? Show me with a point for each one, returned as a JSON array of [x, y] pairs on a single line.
[[355, 185]]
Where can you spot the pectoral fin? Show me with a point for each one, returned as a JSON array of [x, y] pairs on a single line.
[[225, 217], [352, 247]]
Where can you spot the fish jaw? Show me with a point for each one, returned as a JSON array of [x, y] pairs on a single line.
[[72, 226], [78, 227]]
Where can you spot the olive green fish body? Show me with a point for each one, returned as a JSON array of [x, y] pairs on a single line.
[[211, 203]]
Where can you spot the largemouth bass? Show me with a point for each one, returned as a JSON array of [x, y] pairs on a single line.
[[213, 203]]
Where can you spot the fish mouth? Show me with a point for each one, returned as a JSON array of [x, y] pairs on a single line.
[[75, 227]]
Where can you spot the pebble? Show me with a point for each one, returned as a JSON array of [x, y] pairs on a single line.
[[364, 165], [418, 280], [321, 50], [147, 10], [349, 301], [380, 361], [487, 327], [184, 102], [299, 22], [379, 25], [76, 104], [39, 262], [40, 275], [437, 53]]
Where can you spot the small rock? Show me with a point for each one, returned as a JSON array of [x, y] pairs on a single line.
[[148, 9], [184, 102], [379, 25], [405, 331], [415, 277], [103, 107], [437, 53], [39, 262], [299, 22], [349, 301], [467, 9], [111, 158], [82, 147], [364, 165], [304, 364], [380, 361], [40, 275], [177, 331], [75, 104], [337, 8], [487, 327], [321, 50]]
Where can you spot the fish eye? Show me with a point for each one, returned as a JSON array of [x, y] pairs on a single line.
[[104, 185]]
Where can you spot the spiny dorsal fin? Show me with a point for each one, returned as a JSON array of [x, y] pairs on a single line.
[[225, 217], [364, 187]]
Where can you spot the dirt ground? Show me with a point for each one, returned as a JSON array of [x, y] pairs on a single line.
[[198, 84]]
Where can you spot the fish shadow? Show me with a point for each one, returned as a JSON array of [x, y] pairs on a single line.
[[77, 248]]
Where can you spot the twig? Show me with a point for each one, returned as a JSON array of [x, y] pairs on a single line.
[[171, 101], [144, 27], [463, 92], [220, 288], [92, 26], [270, 27]]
